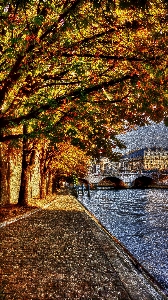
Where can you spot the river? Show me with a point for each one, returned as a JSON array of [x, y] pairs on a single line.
[[139, 220]]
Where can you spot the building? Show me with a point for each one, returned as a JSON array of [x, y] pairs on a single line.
[[105, 167], [145, 159]]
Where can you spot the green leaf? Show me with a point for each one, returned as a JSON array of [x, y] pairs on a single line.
[[38, 20], [166, 121]]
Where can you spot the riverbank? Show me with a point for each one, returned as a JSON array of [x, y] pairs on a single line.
[[62, 252]]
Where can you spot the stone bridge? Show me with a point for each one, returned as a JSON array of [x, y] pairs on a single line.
[[128, 178]]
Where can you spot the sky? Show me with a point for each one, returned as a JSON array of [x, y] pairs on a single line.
[[146, 136]]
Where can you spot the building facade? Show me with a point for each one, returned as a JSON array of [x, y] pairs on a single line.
[[146, 159]]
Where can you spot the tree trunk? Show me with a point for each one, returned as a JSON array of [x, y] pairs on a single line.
[[43, 173], [4, 175], [49, 184], [55, 183], [8, 179], [43, 186], [24, 185]]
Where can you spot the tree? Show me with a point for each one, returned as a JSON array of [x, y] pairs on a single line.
[[47, 152], [5, 171], [81, 71], [28, 156], [70, 160], [60, 161], [56, 57]]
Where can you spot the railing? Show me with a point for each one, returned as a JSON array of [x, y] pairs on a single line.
[[80, 189]]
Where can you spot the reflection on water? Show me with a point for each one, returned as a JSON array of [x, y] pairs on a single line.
[[139, 219]]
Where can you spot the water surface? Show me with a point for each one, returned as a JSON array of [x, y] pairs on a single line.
[[139, 219]]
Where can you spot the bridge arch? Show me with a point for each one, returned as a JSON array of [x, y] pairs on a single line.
[[142, 181], [112, 181]]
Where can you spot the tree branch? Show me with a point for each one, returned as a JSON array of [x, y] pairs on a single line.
[[61, 17], [112, 57], [8, 82], [4, 122]]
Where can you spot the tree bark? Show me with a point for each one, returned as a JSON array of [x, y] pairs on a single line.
[[24, 185], [50, 184], [4, 175], [43, 183], [55, 183], [43, 191], [8, 179], [4, 197]]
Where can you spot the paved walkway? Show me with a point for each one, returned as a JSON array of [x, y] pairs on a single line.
[[62, 253]]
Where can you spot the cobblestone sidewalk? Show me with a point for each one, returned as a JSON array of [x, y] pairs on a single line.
[[60, 252]]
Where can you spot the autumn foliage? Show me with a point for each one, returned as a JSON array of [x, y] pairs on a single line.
[[80, 72]]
